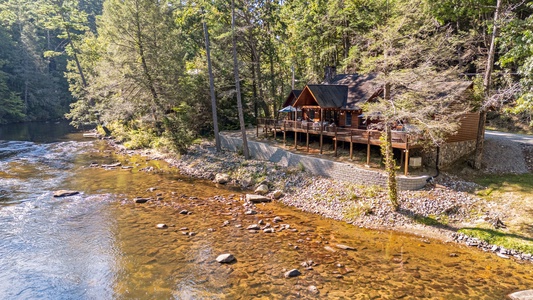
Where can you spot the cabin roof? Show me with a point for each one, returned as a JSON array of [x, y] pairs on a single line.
[[329, 96], [361, 88], [350, 91], [291, 98]]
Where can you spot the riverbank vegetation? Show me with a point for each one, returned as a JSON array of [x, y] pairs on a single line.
[[140, 66]]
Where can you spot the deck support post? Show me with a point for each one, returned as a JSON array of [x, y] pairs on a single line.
[[295, 139], [406, 167], [368, 149], [351, 145], [257, 128], [284, 132], [335, 141], [321, 124], [307, 135]]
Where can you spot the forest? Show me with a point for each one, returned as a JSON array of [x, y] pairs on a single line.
[[139, 67]]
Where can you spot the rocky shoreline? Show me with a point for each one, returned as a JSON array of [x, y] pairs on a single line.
[[437, 211]]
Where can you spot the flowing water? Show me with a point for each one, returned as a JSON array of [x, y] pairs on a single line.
[[99, 244]]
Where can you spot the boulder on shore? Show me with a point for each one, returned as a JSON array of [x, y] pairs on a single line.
[[261, 189], [277, 194], [257, 198], [65, 193], [222, 178]]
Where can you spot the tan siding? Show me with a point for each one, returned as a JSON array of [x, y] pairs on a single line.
[[467, 130]]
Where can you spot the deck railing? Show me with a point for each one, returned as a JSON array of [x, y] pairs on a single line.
[[342, 133]]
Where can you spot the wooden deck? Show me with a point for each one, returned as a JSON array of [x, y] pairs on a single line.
[[400, 140]]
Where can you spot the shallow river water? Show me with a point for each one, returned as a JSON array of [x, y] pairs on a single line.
[[99, 244]]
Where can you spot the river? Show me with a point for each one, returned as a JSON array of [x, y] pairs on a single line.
[[99, 244]]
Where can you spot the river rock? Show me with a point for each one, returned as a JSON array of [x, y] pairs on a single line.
[[113, 165], [344, 247], [328, 248], [261, 189], [257, 198], [246, 182], [522, 295], [277, 220], [222, 178], [141, 200], [292, 273], [225, 258], [253, 227], [277, 194], [268, 230], [184, 212], [65, 193], [250, 212], [161, 226], [313, 289]]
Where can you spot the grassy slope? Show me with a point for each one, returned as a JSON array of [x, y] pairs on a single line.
[[513, 194]]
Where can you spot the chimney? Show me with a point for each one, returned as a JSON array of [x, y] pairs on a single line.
[[329, 74]]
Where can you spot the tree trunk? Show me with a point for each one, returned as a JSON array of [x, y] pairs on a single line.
[[254, 85], [212, 89], [480, 139], [78, 65], [256, 63], [237, 85], [144, 64], [390, 166]]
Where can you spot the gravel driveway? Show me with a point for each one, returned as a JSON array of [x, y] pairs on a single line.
[[506, 152]]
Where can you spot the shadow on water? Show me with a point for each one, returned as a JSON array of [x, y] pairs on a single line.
[[39, 132]]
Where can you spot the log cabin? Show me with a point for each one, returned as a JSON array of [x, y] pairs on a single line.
[[334, 109]]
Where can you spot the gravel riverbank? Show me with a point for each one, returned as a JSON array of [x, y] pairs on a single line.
[[437, 211]]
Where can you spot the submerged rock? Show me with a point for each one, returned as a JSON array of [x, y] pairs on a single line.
[[292, 273], [113, 165], [65, 193], [312, 289], [522, 295], [225, 258], [141, 200], [161, 226], [257, 198], [344, 247], [253, 227]]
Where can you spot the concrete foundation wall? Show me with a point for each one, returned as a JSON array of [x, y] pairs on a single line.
[[321, 167]]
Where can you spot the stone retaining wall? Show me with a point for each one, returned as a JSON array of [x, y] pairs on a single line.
[[450, 153], [321, 167]]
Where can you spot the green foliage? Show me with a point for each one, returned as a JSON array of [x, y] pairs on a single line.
[[359, 209], [431, 220], [516, 183], [500, 238]]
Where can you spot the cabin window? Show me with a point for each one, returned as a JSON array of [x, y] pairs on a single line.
[[311, 114], [348, 122]]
